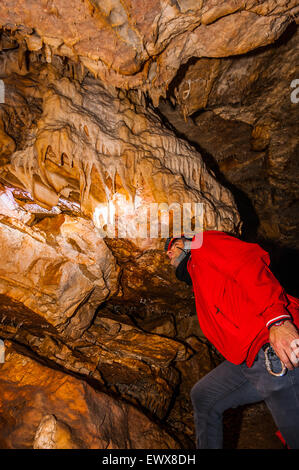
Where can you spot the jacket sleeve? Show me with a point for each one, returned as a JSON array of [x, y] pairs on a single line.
[[263, 291]]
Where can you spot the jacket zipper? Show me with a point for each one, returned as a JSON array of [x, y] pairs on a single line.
[[228, 319]]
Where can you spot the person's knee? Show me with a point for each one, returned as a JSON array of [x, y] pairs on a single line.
[[205, 401], [199, 395]]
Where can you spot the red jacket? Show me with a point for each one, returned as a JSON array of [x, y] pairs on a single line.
[[236, 295]]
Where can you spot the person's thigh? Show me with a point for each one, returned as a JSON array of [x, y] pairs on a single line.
[[222, 388], [269, 385]]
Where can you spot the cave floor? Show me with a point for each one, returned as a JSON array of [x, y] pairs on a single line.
[[250, 427]]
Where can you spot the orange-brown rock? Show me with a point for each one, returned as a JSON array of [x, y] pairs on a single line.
[[44, 408], [116, 355], [54, 267], [243, 120], [93, 146], [142, 44], [7, 144]]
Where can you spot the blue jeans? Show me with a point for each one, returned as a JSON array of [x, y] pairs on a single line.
[[229, 386]]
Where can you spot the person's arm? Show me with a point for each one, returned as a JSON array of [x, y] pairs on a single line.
[[269, 300]]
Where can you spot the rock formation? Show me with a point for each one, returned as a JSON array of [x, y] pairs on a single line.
[[245, 121], [52, 410], [134, 44], [128, 103]]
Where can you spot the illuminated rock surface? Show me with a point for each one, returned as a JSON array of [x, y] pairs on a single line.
[[143, 44], [62, 412]]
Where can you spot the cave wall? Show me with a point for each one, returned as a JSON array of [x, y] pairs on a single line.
[[245, 123]]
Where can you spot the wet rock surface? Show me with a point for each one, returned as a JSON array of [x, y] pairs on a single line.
[[142, 44], [45, 408]]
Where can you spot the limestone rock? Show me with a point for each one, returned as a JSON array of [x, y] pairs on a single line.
[[51, 434], [121, 358], [7, 144], [94, 147], [55, 267], [245, 126], [44, 408], [143, 44]]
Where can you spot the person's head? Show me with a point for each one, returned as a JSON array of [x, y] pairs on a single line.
[[178, 251], [174, 250]]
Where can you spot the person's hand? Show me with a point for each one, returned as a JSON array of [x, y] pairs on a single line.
[[284, 339]]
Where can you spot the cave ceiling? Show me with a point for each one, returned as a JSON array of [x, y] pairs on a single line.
[[153, 101]]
